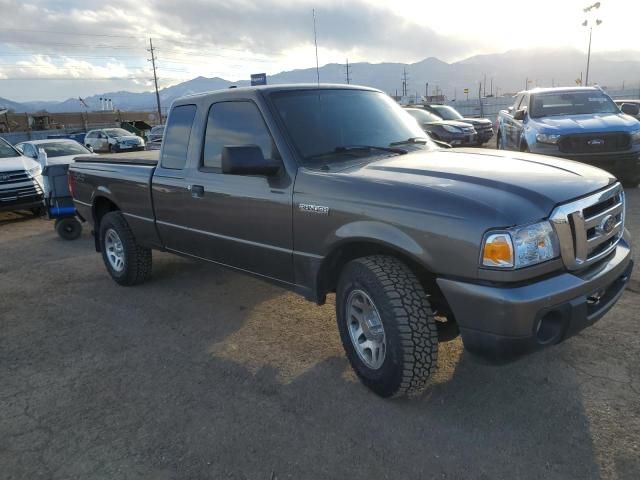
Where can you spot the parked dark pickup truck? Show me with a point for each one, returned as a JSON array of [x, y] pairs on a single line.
[[334, 189]]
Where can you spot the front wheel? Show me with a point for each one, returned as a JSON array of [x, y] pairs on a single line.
[[386, 325], [499, 144], [127, 262]]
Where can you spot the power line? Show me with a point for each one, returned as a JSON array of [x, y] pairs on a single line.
[[68, 33]]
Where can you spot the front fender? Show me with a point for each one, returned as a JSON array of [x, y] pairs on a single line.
[[377, 232]]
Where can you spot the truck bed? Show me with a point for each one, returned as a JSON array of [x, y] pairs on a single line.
[[148, 157]]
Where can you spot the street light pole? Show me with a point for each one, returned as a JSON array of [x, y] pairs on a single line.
[[586, 80], [590, 24]]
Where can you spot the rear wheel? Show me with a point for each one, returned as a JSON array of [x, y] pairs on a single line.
[[386, 325], [127, 262], [68, 228]]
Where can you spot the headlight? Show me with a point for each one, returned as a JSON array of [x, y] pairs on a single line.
[[35, 171], [635, 136], [452, 129], [547, 138], [520, 246]]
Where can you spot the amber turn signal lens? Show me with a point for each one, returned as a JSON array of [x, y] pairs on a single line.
[[498, 251]]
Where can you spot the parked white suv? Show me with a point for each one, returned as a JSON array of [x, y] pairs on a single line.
[[21, 183], [113, 140]]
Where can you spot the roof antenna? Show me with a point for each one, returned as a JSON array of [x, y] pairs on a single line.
[[315, 40]]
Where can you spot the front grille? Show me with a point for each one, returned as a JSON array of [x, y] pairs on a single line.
[[15, 176], [590, 228], [19, 193], [595, 142]]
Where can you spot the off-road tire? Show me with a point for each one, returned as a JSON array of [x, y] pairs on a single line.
[[408, 320], [138, 259], [68, 228]]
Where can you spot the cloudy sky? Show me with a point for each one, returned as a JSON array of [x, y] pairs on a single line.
[[56, 49]]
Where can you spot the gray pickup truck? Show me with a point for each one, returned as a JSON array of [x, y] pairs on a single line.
[[324, 189]]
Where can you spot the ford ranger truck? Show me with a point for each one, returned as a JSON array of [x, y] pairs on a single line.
[[322, 189], [580, 123]]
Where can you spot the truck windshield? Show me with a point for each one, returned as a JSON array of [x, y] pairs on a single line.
[[571, 103], [7, 151], [447, 112], [322, 122]]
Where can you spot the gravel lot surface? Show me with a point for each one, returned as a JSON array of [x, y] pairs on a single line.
[[204, 373]]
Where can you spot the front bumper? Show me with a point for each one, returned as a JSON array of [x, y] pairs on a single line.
[[485, 135], [504, 321], [620, 164], [460, 140], [22, 204]]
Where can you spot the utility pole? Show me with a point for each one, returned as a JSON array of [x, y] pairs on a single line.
[[404, 82], [155, 79], [315, 40], [491, 86], [484, 85], [348, 76], [426, 91]]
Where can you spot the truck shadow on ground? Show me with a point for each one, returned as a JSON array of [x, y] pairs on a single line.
[[204, 373]]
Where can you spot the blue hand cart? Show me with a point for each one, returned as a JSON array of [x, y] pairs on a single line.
[[59, 202]]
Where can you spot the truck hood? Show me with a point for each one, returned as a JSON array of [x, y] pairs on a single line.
[[510, 187], [600, 123], [477, 121], [17, 163], [452, 123]]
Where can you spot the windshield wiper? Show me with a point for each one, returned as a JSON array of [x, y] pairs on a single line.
[[351, 148], [410, 140]]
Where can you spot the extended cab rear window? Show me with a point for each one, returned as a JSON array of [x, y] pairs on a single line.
[[176, 138]]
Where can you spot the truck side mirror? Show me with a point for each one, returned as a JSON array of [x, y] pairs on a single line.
[[247, 160], [520, 114], [630, 109]]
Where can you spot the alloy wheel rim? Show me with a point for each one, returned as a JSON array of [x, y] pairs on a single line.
[[114, 250], [365, 329]]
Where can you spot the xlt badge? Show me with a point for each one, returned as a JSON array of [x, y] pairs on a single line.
[[319, 209]]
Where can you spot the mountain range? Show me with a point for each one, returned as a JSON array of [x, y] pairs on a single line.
[[504, 73]]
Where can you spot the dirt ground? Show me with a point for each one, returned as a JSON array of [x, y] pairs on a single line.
[[204, 373]]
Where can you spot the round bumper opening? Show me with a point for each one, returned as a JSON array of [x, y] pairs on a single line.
[[549, 327]]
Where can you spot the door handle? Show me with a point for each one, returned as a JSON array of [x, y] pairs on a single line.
[[197, 191]]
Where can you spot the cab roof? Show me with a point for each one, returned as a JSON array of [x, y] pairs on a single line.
[[560, 90], [279, 88]]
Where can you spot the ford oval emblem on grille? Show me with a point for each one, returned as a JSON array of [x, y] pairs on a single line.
[[596, 141], [4, 178], [607, 224]]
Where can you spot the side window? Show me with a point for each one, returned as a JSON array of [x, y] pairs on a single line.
[[235, 123], [29, 151], [176, 137]]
